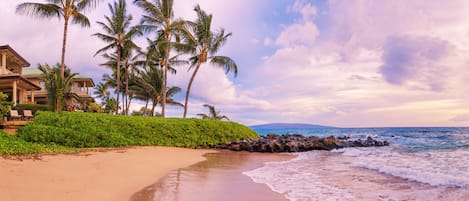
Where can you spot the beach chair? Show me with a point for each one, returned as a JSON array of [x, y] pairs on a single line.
[[28, 114], [14, 115]]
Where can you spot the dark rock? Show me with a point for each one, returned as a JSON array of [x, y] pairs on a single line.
[[298, 143]]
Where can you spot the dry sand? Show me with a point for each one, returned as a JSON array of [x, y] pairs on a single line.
[[101, 176]]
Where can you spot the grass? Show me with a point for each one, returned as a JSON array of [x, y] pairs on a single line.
[[79, 130]]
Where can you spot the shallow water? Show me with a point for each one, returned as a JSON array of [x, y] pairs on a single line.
[[218, 178]]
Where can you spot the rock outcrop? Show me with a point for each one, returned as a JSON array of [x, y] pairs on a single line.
[[297, 143]]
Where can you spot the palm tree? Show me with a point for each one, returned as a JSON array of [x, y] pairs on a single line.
[[63, 9], [212, 114], [150, 86], [204, 44], [57, 88], [159, 16], [101, 92], [117, 33]]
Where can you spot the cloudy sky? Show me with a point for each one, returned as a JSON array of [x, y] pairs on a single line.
[[347, 63]]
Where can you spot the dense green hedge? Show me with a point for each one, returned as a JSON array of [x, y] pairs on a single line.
[[77, 129], [10, 144]]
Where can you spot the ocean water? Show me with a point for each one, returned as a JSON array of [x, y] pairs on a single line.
[[420, 164]]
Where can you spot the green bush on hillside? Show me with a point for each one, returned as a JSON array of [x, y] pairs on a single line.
[[10, 144], [102, 130]]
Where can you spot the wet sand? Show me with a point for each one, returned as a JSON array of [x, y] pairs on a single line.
[[217, 178], [91, 176]]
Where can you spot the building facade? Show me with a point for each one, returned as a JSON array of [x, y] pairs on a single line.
[[25, 85]]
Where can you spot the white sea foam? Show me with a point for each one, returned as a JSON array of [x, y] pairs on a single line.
[[296, 180], [321, 175], [437, 167]]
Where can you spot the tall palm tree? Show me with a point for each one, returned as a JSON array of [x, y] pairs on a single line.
[[117, 33], [213, 114], [204, 45], [129, 59], [57, 88], [159, 17], [63, 9]]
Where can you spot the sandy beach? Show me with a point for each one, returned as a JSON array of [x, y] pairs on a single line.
[[101, 176]]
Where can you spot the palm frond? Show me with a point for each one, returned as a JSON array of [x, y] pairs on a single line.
[[39, 10]]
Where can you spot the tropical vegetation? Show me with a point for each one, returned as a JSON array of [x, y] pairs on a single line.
[[139, 73], [69, 11], [79, 129], [57, 88], [203, 45], [136, 74], [118, 35]]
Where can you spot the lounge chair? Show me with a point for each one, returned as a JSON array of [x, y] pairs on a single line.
[[14, 115], [28, 114]]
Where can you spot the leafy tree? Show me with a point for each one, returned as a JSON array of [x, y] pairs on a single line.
[[117, 33], [159, 17], [4, 107], [204, 44], [57, 89], [212, 114]]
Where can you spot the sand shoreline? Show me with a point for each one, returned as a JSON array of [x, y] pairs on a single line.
[[110, 175]]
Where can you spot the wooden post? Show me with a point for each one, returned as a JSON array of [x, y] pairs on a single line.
[[32, 97], [14, 93], [4, 61]]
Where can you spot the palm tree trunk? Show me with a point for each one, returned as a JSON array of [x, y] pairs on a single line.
[[153, 108], [165, 73], [188, 91], [146, 108], [62, 65], [126, 86], [128, 104], [118, 79]]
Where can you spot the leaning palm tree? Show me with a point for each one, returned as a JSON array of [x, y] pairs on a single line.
[[159, 17], [212, 114], [117, 33], [63, 9], [204, 45], [57, 88]]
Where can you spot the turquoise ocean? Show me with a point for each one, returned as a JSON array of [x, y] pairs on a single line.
[[420, 164]]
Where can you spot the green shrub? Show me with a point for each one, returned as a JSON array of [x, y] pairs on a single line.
[[76, 129], [10, 144]]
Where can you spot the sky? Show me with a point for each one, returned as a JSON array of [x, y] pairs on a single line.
[[345, 63]]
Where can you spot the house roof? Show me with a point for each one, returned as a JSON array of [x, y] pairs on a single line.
[[33, 72], [12, 53], [6, 80]]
